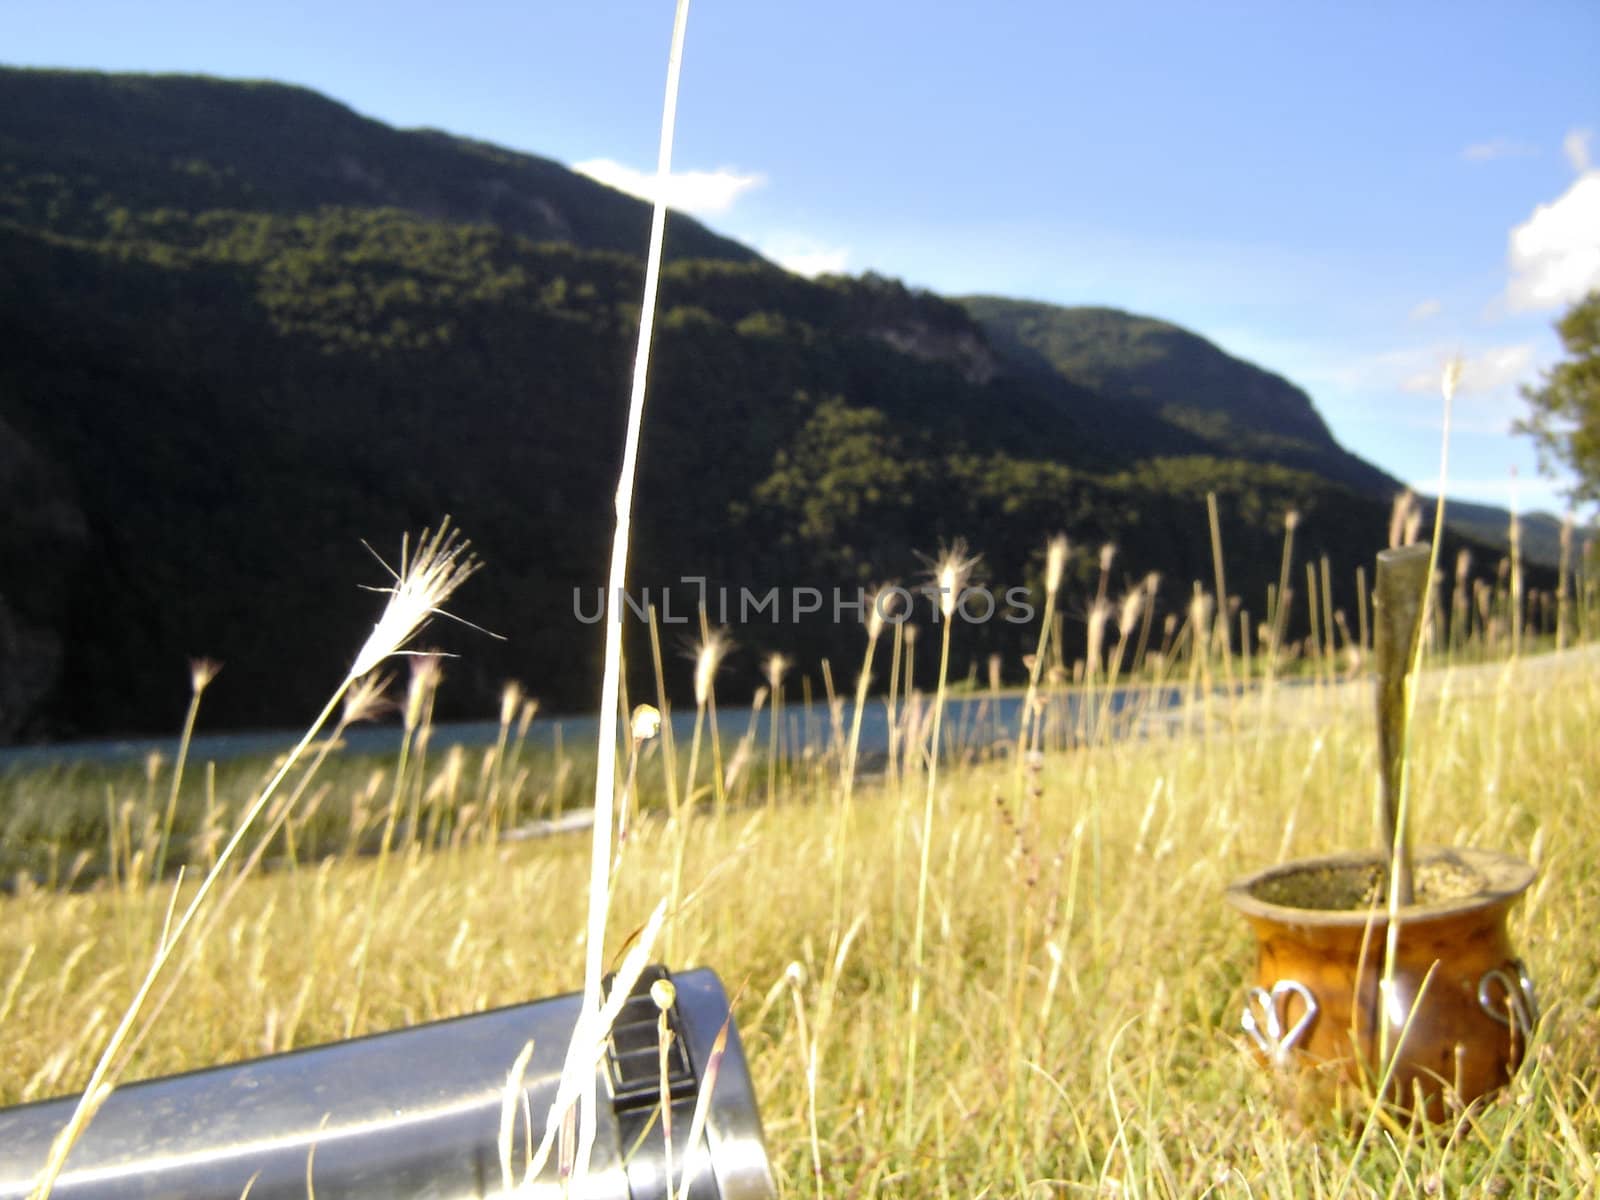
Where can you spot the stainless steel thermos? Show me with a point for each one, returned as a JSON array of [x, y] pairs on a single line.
[[417, 1113]]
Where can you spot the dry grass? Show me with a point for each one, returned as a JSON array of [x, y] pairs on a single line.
[[1078, 1026]]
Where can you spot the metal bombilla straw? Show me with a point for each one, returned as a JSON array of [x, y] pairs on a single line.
[[1401, 577]]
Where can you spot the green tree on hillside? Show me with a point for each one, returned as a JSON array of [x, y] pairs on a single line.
[[1565, 421]]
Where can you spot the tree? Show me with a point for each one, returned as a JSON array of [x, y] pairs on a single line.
[[1565, 417]]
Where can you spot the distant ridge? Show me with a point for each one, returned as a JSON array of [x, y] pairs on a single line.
[[1237, 408], [199, 143]]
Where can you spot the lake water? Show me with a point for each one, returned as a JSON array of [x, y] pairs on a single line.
[[970, 720]]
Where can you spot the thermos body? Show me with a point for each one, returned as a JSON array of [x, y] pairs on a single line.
[[416, 1113]]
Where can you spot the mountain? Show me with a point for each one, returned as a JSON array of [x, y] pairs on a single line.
[[1539, 535], [1234, 407], [247, 329], [83, 150]]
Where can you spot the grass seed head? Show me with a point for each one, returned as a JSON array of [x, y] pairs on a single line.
[[1451, 379], [365, 699], [510, 699], [1132, 607], [775, 668], [1413, 525], [1400, 520], [1099, 613], [708, 657], [201, 672], [1055, 563], [426, 672], [442, 563], [950, 574]]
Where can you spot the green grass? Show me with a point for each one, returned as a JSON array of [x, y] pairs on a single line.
[[1078, 1031]]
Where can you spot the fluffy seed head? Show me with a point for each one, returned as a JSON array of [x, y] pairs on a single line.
[[1099, 612], [1132, 606], [1201, 609], [708, 657], [425, 580], [530, 709], [950, 574], [1108, 553], [426, 671], [775, 668], [201, 672], [1451, 379], [1055, 563], [510, 698], [365, 699]]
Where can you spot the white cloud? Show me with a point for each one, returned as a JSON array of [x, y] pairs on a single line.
[[1428, 308], [701, 193], [1576, 147], [806, 257], [1490, 370], [1497, 148], [1555, 253]]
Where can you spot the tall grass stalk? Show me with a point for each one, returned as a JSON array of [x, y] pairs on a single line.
[[669, 757], [1279, 615], [1223, 623], [1514, 537], [950, 576], [891, 703], [201, 672], [616, 581], [413, 711], [863, 680], [775, 667], [1055, 565]]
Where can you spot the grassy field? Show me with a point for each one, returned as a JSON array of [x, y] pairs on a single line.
[[1081, 982]]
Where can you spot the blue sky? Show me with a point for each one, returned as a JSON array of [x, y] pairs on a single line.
[[1346, 194]]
